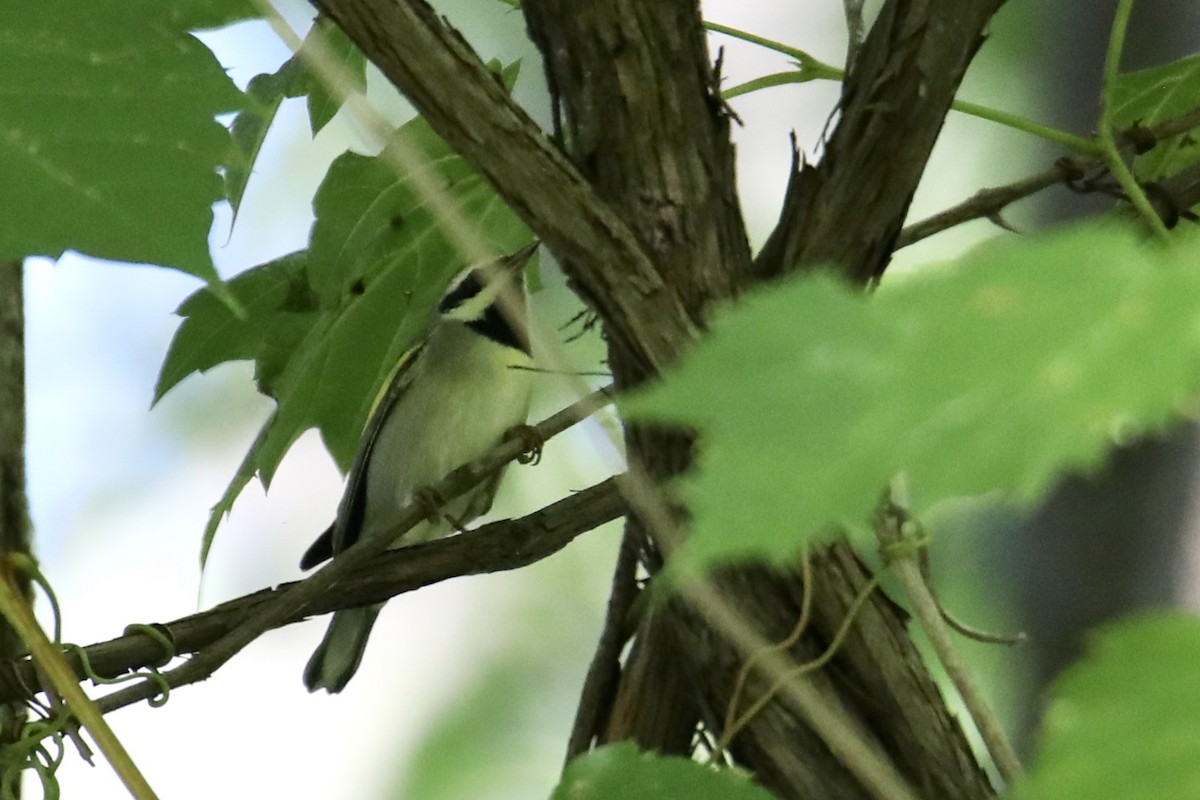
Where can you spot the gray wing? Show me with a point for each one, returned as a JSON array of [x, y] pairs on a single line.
[[346, 528]]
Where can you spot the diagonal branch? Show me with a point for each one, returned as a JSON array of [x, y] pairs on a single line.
[[496, 547], [846, 211], [299, 599], [607, 264], [1172, 196]]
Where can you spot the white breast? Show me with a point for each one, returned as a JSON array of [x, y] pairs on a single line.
[[463, 397]]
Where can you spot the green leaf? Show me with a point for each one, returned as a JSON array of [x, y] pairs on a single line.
[[279, 312], [1154, 95], [327, 326], [108, 142], [1027, 358], [293, 79], [500, 735], [265, 94], [378, 265], [621, 772], [326, 41], [200, 15], [1124, 723], [241, 479]]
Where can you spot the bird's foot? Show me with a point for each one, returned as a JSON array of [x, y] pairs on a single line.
[[433, 505], [533, 441]]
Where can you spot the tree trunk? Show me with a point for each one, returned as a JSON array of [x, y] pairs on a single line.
[[644, 219]]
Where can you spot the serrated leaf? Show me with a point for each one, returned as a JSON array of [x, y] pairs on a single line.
[[326, 41], [1154, 95], [293, 79], [377, 265], [108, 142], [278, 315], [265, 94], [622, 772], [1124, 722], [241, 479], [1025, 359]]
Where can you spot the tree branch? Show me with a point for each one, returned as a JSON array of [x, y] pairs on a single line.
[[645, 124], [604, 672], [1174, 195], [496, 547], [299, 599], [14, 507], [847, 210], [607, 264], [645, 222]]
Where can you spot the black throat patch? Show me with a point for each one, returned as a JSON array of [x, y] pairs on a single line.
[[493, 324], [496, 327]]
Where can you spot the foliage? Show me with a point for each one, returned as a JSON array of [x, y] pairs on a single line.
[[1001, 371], [621, 772], [326, 326], [1020, 361], [1125, 721], [91, 90], [1150, 96], [325, 43]]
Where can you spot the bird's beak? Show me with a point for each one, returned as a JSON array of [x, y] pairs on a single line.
[[519, 259]]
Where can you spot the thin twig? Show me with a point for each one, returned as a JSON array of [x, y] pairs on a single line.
[[14, 505], [735, 727], [604, 669], [854, 30], [852, 746], [301, 596], [889, 529], [1105, 133], [496, 547], [14, 603], [990, 202], [984, 203], [739, 684]]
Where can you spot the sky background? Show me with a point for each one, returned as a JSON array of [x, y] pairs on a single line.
[[120, 492]]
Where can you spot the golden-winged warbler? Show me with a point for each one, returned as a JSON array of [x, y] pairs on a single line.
[[452, 398]]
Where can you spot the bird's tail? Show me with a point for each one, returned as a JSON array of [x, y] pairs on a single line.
[[340, 652]]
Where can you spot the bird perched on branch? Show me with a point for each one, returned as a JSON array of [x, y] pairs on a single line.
[[452, 398]]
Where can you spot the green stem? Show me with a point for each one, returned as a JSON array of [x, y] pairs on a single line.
[[15, 608], [1079, 144], [1106, 135], [813, 68], [770, 44]]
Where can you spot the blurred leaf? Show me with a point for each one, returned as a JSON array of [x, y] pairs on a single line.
[[1124, 722], [622, 772], [111, 146], [1027, 358], [1154, 95], [482, 742], [279, 311]]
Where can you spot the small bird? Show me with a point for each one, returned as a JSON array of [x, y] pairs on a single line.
[[452, 398]]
